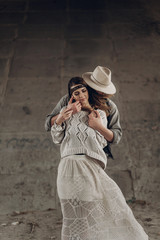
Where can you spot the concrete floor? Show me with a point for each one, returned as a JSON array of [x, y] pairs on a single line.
[[43, 43], [45, 225]]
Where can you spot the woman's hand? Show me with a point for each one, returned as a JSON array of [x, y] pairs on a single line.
[[64, 115], [76, 106], [94, 120]]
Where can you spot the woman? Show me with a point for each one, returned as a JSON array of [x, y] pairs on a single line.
[[93, 206]]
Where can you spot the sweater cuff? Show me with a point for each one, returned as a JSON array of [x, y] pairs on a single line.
[[58, 127], [116, 137]]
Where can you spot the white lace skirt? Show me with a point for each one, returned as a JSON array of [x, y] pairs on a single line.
[[93, 205]]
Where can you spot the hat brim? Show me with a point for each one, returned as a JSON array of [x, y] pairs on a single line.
[[110, 89]]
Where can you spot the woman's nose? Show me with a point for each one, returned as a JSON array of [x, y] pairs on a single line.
[[81, 95]]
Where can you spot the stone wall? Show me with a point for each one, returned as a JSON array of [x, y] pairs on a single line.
[[45, 43]]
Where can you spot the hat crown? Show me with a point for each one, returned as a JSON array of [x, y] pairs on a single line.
[[102, 75], [100, 80]]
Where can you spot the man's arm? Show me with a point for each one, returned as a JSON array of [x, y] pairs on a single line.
[[96, 121], [114, 123], [107, 134], [54, 114], [53, 119], [112, 132]]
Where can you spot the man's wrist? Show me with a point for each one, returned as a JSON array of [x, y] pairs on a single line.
[[100, 128], [53, 119], [58, 122]]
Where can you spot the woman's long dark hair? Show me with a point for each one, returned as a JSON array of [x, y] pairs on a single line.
[[96, 100], [99, 101]]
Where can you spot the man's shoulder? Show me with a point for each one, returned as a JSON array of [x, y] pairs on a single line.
[[65, 99], [111, 104]]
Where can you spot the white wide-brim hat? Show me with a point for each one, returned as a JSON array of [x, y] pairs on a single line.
[[100, 80]]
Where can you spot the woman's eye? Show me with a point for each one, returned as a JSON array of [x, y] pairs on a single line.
[[84, 90], [76, 94]]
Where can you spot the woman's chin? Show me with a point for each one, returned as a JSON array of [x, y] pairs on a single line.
[[83, 104]]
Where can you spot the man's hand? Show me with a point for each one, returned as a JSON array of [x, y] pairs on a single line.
[[64, 115], [76, 106], [94, 120]]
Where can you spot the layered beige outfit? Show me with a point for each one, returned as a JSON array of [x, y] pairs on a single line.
[[93, 205]]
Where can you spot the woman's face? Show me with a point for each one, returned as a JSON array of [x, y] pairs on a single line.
[[81, 95]]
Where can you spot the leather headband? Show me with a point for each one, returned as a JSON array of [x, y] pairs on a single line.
[[77, 87]]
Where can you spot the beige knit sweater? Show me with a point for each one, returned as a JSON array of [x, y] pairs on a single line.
[[76, 137]]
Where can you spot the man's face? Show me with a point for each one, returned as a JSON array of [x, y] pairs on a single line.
[[101, 93]]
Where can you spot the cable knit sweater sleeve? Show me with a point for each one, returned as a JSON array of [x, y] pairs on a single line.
[[57, 133]]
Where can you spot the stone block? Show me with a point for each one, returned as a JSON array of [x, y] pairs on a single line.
[[13, 6], [65, 80], [140, 47], [88, 17], [121, 153], [100, 17], [1, 85], [139, 90], [24, 141], [39, 31], [28, 90], [126, 31], [149, 156], [87, 5], [123, 180], [7, 32], [22, 117], [123, 4], [88, 48], [3, 68], [126, 15], [29, 67], [76, 66], [93, 31], [47, 5], [54, 17], [147, 184], [134, 30], [144, 146], [141, 112], [26, 192], [11, 18], [39, 48], [143, 137], [22, 153], [133, 69], [6, 49], [82, 17]]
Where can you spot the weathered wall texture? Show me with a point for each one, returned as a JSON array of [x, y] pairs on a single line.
[[45, 43]]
